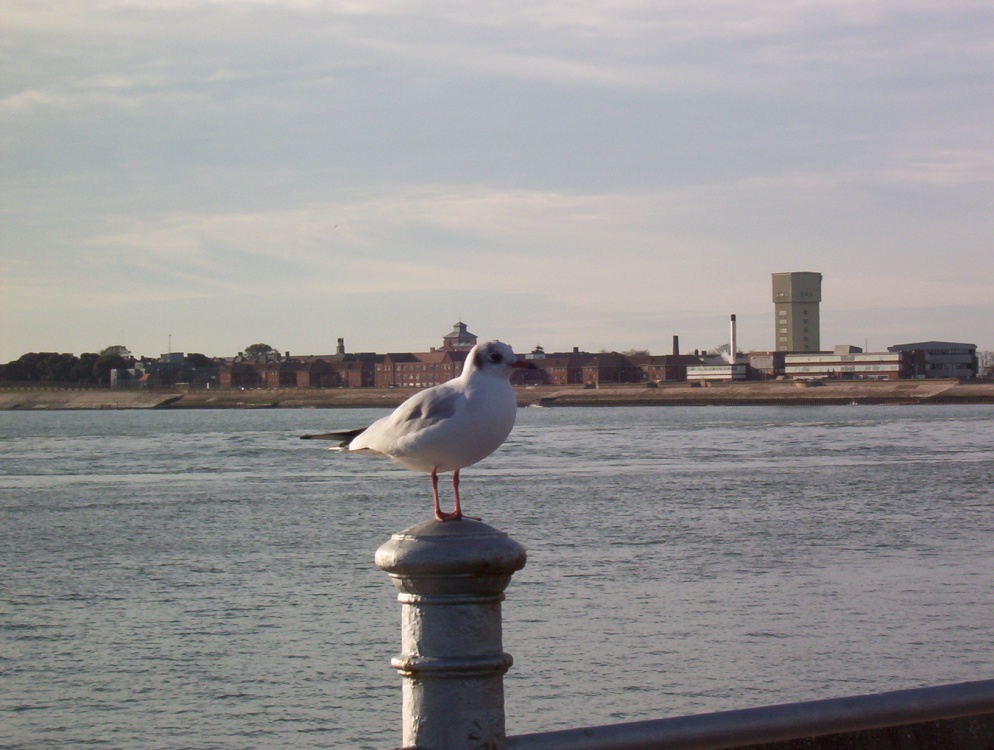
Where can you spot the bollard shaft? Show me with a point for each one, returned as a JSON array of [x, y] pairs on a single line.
[[450, 578]]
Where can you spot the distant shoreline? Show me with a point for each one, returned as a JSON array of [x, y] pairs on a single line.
[[778, 393]]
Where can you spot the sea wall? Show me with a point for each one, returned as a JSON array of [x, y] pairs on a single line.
[[782, 393], [676, 394], [82, 398]]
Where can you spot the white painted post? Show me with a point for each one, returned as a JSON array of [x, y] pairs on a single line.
[[450, 577]]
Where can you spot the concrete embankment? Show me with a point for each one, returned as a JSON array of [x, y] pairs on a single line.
[[781, 393], [69, 398], [675, 394]]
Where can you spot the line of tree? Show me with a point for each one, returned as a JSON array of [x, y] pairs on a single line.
[[52, 367]]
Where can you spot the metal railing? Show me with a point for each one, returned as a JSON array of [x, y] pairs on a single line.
[[946, 717]]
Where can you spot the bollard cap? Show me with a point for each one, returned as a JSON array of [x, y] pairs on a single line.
[[451, 558]]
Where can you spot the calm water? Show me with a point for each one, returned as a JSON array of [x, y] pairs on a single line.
[[205, 579]]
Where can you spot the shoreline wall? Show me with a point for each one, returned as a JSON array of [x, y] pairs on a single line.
[[676, 394]]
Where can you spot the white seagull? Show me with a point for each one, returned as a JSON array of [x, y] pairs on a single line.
[[449, 426]]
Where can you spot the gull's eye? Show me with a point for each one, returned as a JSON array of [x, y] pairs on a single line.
[[494, 357]]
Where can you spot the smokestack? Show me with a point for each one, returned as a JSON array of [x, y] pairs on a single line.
[[341, 346], [676, 346], [731, 352]]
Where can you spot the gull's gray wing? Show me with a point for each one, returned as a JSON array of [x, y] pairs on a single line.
[[420, 412], [427, 411]]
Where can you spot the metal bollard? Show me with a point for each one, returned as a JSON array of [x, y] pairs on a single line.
[[451, 578]]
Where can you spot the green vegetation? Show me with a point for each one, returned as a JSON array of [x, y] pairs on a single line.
[[52, 367], [260, 352]]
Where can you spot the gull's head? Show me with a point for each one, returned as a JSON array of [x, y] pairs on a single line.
[[494, 358]]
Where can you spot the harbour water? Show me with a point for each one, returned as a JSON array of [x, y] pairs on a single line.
[[203, 579]]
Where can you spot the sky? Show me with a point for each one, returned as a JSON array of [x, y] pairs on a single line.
[[200, 176]]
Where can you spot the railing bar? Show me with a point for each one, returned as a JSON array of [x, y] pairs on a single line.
[[774, 723]]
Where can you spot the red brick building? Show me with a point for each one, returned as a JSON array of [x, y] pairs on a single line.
[[665, 367], [583, 368], [419, 370], [240, 374]]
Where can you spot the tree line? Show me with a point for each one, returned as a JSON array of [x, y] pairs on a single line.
[[94, 368], [52, 367]]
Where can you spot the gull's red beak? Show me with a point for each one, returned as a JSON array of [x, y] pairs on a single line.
[[524, 364]]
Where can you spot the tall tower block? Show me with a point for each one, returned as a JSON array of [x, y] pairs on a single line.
[[795, 300]]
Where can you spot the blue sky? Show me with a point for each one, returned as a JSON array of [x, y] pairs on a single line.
[[592, 174]]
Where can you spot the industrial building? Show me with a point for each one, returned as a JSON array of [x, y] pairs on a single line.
[[851, 365], [926, 359], [942, 359], [796, 297]]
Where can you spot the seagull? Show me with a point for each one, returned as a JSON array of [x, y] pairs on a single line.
[[449, 426]]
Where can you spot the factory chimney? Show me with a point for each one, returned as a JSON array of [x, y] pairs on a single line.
[[733, 344], [676, 346], [341, 347]]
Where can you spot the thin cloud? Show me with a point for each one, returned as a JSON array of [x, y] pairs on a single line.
[[607, 161]]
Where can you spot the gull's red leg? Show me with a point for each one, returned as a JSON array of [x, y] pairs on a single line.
[[457, 512], [434, 491], [439, 514]]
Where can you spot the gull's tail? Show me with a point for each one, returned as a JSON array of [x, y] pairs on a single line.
[[343, 438]]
